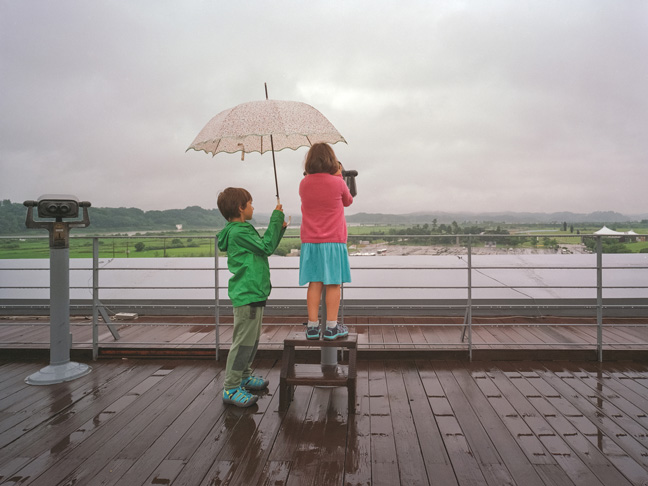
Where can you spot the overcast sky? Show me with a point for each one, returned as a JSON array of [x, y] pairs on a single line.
[[476, 106]]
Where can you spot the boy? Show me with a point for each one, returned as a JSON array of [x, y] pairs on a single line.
[[248, 288]]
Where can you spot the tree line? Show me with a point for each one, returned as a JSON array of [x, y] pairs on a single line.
[[12, 219], [445, 234]]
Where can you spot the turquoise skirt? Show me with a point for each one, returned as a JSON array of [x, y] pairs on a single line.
[[324, 262]]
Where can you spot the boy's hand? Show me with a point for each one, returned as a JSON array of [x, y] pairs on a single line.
[[279, 208]]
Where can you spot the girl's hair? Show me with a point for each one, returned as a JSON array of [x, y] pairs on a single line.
[[321, 159], [231, 200]]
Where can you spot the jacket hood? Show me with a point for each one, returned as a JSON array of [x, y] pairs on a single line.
[[223, 237]]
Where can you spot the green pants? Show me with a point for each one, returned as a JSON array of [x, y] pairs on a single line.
[[245, 341]]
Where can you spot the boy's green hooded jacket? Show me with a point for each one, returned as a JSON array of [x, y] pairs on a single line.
[[247, 258]]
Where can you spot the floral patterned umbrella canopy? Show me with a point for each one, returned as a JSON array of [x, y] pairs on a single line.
[[267, 125]]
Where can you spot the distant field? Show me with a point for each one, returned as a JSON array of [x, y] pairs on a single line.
[[133, 247], [202, 244], [113, 247]]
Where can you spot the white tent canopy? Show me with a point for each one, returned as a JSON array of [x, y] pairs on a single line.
[[607, 231]]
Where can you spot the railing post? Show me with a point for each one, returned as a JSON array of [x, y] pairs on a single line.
[[599, 298], [469, 316], [95, 298], [217, 301]]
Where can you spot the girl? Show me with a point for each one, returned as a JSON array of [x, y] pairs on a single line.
[[324, 260]]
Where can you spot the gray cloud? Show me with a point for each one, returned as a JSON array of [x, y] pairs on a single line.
[[504, 105]]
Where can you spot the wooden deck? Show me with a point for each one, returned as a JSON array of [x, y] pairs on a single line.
[[493, 338], [418, 422]]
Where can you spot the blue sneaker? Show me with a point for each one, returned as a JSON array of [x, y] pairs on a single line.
[[312, 332], [254, 383], [239, 397], [336, 332]]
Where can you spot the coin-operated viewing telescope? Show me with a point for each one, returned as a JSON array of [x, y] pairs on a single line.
[[58, 207]]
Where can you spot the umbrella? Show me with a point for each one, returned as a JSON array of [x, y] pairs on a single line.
[[267, 125]]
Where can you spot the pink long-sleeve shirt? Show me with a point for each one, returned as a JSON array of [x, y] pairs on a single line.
[[323, 198]]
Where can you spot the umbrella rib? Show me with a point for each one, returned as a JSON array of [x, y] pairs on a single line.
[[216, 148]]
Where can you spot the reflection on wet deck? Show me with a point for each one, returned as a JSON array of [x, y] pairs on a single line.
[[136, 422]]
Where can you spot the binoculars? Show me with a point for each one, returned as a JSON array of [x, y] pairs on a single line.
[[58, 206], [349, 177]]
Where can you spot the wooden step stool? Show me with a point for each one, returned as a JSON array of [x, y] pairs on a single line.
[[317, 375]]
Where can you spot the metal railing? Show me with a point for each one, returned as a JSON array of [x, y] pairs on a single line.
[[464, 279]]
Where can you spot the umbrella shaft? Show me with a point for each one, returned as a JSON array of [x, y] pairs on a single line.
[[274, 165]]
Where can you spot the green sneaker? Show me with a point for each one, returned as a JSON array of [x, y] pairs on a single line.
[[239, 397], [254, 383]]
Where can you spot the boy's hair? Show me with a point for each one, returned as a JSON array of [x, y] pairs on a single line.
[[231, 200], [321, 159]]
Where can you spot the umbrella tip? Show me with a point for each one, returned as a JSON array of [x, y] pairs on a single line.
[[266, 89]]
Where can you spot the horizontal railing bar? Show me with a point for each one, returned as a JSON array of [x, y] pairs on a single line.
[[224, 269]]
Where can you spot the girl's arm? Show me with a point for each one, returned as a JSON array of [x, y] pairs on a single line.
[[347, 198]]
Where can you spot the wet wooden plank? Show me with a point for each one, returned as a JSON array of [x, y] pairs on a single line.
[[193, 335], [476, 439], [443, 337], [634, 332], [124, 427], [59, 401], [416, 423], [333, 450], [275, 473], [520, 333], [403, 336], [357, 467], [589, 417], [464, 464], [476, 384], [101, 400], [560, 450], [376, 338], [202, 465], [44, 445], [430, 440], [147, 448], [383, 448], [410, 460], [306, 456], [529, 336], [220, 472], [628, 384], [13, 372], [363, 334], [600, 463], [112, 471]]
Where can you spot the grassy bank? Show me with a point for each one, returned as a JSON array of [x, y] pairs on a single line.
[[201, 244]]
